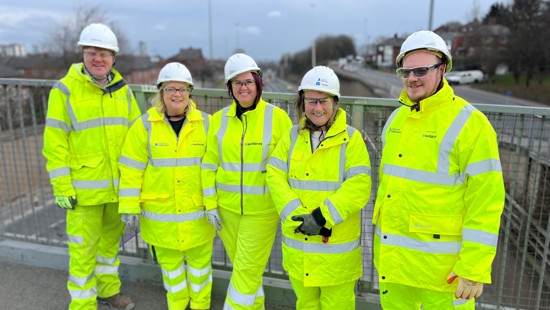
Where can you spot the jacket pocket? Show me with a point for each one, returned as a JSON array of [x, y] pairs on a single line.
[[88, 160], [450, 225], [152, 196]]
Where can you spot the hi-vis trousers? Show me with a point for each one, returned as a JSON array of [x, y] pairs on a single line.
[[94, 234], [248, 240]]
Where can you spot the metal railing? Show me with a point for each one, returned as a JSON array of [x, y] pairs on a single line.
[[521, 279]]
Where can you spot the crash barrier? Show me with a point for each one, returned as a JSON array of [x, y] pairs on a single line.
[[521, 276]]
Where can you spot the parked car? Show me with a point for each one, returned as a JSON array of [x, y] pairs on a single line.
[[464, 77]]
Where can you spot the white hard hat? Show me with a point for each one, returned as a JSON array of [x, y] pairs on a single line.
[[98, 35], [174, 71], [239, 63], [321, 79], [424, 39]]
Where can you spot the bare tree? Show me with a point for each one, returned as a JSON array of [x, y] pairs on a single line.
[[63, 38]]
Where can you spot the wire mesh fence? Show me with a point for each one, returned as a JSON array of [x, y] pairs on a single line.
[[520, 271]]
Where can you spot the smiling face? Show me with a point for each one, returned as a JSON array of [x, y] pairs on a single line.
[[244, 89], [175, 96], [318, 107], [420, 88], [98, 61]]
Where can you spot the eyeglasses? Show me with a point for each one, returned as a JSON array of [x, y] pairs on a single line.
[[247, 83], [417, 71], [313, 101], [93, 54], [173, 90]]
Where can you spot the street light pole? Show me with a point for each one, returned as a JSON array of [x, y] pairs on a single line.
[[431, 15], [210, 28], [313, 47]]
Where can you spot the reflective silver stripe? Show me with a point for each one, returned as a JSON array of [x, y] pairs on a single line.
[[99, 122], [178, 218], [206, 122], [246, 167], [279, 164], [85, 294], [175, 162], [353, 171], [210, 167], [129, 99], [333, 212], [321, 248], [314, 185], [55, 123], [174, 273], [458, 302], [342, 163], [106, 260], [91, 184], [209, 191], [80, 281], [221, 132], [132, 163], [448, 141], [241, 299], [289, 208], [199, 287], [480, 236], [59, 172], [64, 89], [489, 165], [199, 272], [175, 288], [116, 182], [129, 192], [246, 189], [266, 141], [106, 269], [75, 239], [423, 176], [293, 139], [423, 246]]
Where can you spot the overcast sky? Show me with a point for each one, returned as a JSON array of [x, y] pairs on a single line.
[[264, 29]]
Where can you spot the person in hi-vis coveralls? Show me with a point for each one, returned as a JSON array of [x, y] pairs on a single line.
[[89, 113], [441, 193], [240, 140], [319, 177], [161, 191]]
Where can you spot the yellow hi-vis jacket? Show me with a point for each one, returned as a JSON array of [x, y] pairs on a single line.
[[161, 179], [234, 166], [441, 194], [336, 178], [85, 129]]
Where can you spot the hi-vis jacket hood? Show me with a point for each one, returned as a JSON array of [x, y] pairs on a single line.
[[234, 166], [441, 194], [85, 128], [335, 178], [161, 179]]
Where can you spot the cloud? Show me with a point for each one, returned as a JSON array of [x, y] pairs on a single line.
[[160, 27], [274, 14], [251, 30]]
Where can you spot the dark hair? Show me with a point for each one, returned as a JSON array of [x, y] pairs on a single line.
[[259, 87], [299, 105]]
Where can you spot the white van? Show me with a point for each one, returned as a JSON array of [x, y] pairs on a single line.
[[464, 77]]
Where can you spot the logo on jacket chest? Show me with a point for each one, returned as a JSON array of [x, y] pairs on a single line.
[[161, 144], [253, 143]]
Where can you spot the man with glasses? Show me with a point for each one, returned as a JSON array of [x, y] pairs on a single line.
[[441, 192], [89, 113]]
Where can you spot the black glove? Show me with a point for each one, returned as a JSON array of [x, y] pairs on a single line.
[[312, 223]]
